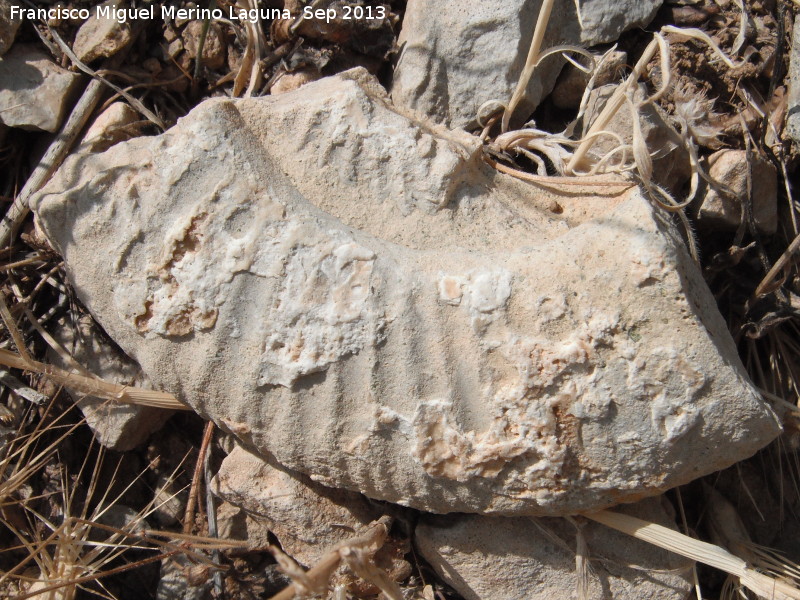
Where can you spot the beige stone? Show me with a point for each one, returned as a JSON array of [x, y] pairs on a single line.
[[730, 168], [671, 165], [34, 91], [8, 25], [357, 295], [497, 558], [110, 128], [101, 37], [306, 517]]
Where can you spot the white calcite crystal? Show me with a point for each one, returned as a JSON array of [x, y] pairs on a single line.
[[356, 295]]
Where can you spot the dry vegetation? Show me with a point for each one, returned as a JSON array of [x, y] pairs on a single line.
[[59, 524]]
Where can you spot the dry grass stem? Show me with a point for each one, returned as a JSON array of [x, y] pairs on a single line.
[[371, 539], [762, 584]]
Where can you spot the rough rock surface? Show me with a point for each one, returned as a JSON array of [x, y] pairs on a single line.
[[34, 91], [100, 37], [671, 165], [730, 167], [375, 307], [456, 56], [572, 82], [793, 112], [306, 517], [116, 426], [8, 26], [497, 558], [109, 128]]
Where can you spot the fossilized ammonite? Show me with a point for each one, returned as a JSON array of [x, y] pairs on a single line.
[[351, 291]]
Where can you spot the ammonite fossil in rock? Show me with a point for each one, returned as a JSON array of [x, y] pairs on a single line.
[[351, 291]]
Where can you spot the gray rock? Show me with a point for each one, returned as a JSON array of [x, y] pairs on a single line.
[[34, 91], [571, 84], [455, 56], [730, 167], [100, 37], [498, 558], [793, 111], [116, 426], [359, 296], [8, 26], [183, 579]]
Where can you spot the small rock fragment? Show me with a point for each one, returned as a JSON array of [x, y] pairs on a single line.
[[8, 26], [109, 128], [306, 517], [572, 82], [34, 91], [214, 47], [101, 37], [671, 166], [495, 558], [169, 500], [288, 82], [730, 167], [116, 425], [793, 113], [182, 578]]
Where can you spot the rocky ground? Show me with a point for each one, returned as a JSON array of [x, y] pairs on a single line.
[[347, 292]]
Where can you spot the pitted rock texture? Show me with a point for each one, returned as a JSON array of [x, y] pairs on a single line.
[[496, 558], [357, 295], [455, 56]]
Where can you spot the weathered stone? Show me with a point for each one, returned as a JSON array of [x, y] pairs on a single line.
[[671, 165], [8, 26], [730, 167], [793, 110], [496, 558], [571, 85], [169, 500], [34, 91], [454, 56], [362, 298], [182, 578], [116, 426], [306, 517], [214, 47], [101, 37], [109, 128]]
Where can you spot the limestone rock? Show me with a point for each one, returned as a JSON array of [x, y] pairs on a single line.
[[497, 558], [793, 111], [571, 84], [8, 26], [671, 165], [109, 128], [307, 518], [730, 168], [34, 91], [357, 295], [214, 47], [101, 37], [116, 426], [456, 56]]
